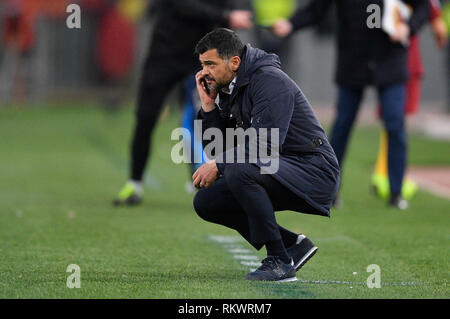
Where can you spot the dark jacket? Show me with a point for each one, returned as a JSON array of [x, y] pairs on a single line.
[[364, 56], [180, 25], [267, 98]]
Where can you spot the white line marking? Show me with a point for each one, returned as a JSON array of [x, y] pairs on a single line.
[[251, 263], [239, 251], [225, 239], [338, 282], [245, 257]]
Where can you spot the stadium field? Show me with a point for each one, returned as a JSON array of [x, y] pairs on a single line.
[[62, 166]]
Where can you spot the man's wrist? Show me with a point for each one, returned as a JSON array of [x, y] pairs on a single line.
[[208, 108], [220, 168]]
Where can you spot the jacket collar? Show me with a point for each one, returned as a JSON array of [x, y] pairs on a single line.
[[242, 77], [230, 87]]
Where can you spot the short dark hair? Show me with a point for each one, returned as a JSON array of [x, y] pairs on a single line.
[[226, 42]]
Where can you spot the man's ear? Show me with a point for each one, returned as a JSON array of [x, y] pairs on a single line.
[[235, 62]]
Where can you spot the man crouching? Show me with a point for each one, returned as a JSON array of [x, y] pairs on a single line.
[[254, 93]]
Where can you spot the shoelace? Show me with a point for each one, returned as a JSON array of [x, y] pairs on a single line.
[[269, 262]]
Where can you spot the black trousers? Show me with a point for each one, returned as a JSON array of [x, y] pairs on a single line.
[[246, 200], [161, 72]]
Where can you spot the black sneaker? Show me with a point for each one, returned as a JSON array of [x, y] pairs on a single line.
[[273, 269], [301, 251], [398, 202]]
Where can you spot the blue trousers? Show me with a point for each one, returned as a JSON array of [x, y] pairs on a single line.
[[392, 101]]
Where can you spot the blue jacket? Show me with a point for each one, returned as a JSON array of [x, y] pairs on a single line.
[[265, 97]]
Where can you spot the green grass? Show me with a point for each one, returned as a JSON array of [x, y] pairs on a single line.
[[61, 167]]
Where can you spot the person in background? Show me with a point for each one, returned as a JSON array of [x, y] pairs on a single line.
[[266, 13], [18, 40], [367, 56], [380, 180], [19, 76]]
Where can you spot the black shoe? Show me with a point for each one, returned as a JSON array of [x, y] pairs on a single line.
[[273, 269], [399, 202], [301, 251]]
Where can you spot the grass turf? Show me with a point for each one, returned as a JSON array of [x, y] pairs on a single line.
[[61, 167]]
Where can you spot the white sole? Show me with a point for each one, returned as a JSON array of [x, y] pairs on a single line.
[[305, 258], [288, 279]]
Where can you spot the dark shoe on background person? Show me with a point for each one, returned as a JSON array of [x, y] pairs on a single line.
[[397, 201], [274, 269], [129, 195], [301, 251], [131, 200]]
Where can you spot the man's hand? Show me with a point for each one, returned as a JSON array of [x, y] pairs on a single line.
[[282, 28], [401, 33], [205, 175], [440, 31], [207, 95], [241, 19]]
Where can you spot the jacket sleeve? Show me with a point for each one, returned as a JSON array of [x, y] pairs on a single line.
[[310, 14], [420, 15], [273, 105], [211, 119], [272, 108], [200, 10]]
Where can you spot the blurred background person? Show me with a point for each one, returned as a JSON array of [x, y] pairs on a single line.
[[380, 180], [266, 12], [19, 70], [178, 26], [367, 56], [18, 40]]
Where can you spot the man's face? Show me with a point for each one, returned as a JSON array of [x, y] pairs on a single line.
[[218, 72]]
